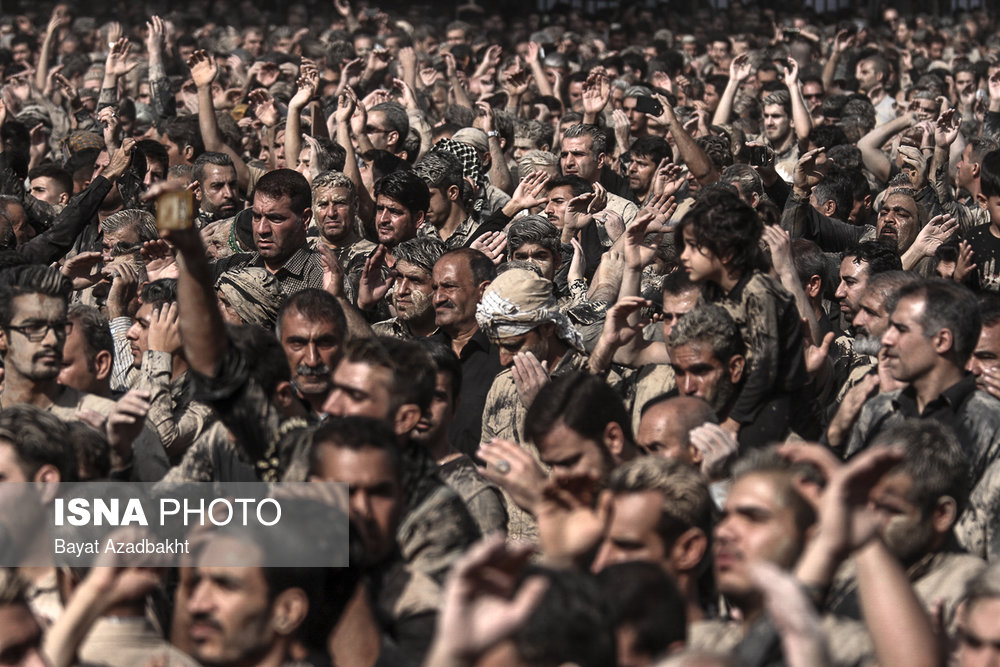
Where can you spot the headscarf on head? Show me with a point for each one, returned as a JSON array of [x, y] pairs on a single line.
[[253, 293], [472, 169], [519, 301]]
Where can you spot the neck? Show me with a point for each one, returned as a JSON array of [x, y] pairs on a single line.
[[180, 366], [440, 450], [455, 218], [460, 334], [423, 326], [557, 350], [347, 239], [784, 144], [687, 583], [929, 387], [728, 279], [19, 389], [356, 640]]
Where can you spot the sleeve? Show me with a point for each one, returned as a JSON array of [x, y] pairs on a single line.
[[763, 347], [122, 368], [58, 239], [177, 431], [831, 235]]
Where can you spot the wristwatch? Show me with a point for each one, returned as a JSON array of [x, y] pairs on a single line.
[[493, 133]]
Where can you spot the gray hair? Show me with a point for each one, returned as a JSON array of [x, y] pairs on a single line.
[[422, 252], [335, 179], [598, 138], [534, 161], [141, 221], [710, 324]]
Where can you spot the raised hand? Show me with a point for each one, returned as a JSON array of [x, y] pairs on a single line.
[[118, 63], [374, 286], [125, 423], [946, 128], [333, 272], [740, 68], [164, 329], [160, 259], [791, 72], [717, 447], [530, 192], [512, 468], [807, 173], [965, 264], [80, 269], [572, 516], [263, 107], [493, 245]]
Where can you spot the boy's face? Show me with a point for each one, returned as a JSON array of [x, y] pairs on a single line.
[[992, 206], [700, 263]]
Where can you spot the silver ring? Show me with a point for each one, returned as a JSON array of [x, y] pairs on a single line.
[[502, 467]]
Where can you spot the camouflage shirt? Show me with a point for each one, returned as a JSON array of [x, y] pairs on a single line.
[[978, 529], [484, 500], [352, 259], [177, 418], [460, 238], [301, 270]]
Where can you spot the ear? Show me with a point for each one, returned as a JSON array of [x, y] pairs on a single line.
[[944, 515], [453, 192], [392, 138], [545, 147], [103, 361], [307, 215], [944, 341], [288, 611], [64, 198], [47, 473], [188, 153], [614, 439], [813, 287], [829, 208], [689, 550], [198, 193], [482, 288], [284, 395], [601, 159], [406, 418], [981, 199], [975, 168], [418, 219], [3, 342], [736, 365], [754, 200], [867, 202]]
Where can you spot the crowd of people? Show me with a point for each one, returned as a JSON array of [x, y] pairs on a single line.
[[640, 337]]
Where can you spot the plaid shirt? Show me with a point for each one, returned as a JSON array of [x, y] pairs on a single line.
[[301, 271]]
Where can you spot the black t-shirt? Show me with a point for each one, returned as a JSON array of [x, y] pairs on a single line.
[[986, 247]]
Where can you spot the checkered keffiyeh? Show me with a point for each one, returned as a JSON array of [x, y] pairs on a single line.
[[519, 301]]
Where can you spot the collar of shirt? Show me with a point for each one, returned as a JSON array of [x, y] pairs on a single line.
[[294, 265], [951, 399]]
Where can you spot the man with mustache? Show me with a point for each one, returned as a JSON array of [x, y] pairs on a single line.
[[33, 329], [218, 191], [312, 329], [413, 289]]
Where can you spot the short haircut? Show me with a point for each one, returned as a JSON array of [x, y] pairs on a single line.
[[482, 267], [948, 305], [536, 160], [30, 279], [933, 457], [315, 305], [745, 178], [93, 453], [569, 625], [263, 354], [335, 179], [653, 147], [421, 251], [809, 260], [781, 98], [62, 178], [184, 131], [677, 283], [712, 324], [724, 224], [836, 187], [828, 136], [577, 185], [881, 256], [767, 462], [154, 152], [159, 292], [888, 283], [686, 501], [410, 365], [355, 433], [142, 222], [207, 158], [286, 183], [407, 188], [395, 118], [989, 175], [981, 146], [583, 402], [540, 134], [39, 439], [440, 169], [984, 586], [534, 229], [598, 137], [96, 332], [445, 361], [645, 599]]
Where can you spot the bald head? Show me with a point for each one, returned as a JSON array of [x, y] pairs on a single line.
[[666, 424]]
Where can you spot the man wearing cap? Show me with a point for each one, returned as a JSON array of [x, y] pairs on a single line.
[[520, 315]]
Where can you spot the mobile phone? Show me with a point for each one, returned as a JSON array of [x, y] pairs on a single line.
[[758, 156], [648, 105]]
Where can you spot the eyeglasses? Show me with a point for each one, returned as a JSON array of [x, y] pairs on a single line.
[[37, 331], [371, 129]]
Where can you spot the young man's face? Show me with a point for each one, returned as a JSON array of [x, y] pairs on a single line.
[[633, 535], [909, 354], [755, 526], [577, 159], [777, 123], [979, 634], [636, 119], [555, 209], [230, 613], [394, 223], [434, 423], [539, 256], [853, 281], [47, 189], [220, 192], [905, 529], [39, 360], [568, 452], [360, 390], [441, 203], [641, 170], [138, 334], [278, 231], [376, 496]]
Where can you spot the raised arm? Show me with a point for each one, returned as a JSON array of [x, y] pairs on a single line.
[[800, 111], [841, 43], [695, 158], [346, 105], [203, 73], [739, 70], [871, 144], [308, 83]]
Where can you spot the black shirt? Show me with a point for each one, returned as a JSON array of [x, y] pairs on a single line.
[[480, 364]]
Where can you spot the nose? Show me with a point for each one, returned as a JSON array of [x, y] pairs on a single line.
[[603, 557], [361, 505], [686, 384], [974, 366], [199, 600], [506, 358], [333, 404], [312, 357], [841, 292], [261, 227], [132, 333], [889, 337], [382, 216]]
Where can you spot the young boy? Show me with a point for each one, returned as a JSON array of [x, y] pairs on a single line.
[[718, 241]]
